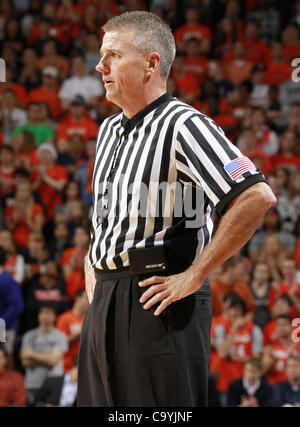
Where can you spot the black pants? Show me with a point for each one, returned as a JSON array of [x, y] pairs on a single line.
[[129, 357]]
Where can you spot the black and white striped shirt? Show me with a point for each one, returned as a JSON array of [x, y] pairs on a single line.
[[167, 142]]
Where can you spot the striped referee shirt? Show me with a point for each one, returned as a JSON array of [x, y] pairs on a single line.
[[167, 143]]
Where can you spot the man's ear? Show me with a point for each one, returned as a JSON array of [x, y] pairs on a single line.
[[153, 61]]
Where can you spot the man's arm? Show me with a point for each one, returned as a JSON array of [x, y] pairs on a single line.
[[48, 359], [90, 279], [235, 229]]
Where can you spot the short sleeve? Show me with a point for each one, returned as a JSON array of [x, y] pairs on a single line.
[[205, 156]]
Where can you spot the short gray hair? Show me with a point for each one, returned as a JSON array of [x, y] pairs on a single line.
[[152, 35]]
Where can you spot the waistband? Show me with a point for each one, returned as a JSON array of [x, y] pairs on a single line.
[[125, 272]]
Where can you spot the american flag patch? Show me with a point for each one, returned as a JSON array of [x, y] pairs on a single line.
[[238, 166]]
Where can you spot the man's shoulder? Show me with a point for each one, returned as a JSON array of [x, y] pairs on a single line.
[[32, 333], [56, 333]]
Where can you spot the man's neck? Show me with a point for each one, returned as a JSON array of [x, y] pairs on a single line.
[[132, 108], [46, 329]]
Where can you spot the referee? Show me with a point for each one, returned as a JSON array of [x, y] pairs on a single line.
[[145, 337]]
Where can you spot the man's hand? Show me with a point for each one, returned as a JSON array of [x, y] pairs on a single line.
[[167, 289]]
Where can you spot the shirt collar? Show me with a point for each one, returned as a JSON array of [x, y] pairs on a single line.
[[129, 124]]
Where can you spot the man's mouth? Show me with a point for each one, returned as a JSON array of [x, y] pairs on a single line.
[[108, 82]]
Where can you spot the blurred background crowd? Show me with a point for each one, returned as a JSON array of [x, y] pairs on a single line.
[[233, 63]]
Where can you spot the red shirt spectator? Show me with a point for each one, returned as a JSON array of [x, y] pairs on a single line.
[[70, 323], [49, 179], [72, 262], [48, 92], [193, 30], [24, 216]]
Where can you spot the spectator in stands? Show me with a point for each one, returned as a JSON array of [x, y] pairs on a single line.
[[228, 282], [51, 58], [287, 393], [260, 287], [60, 240], [25, 151], [12, 389], [215, 73], [257, 51], [19, 90], [70, 192], [72, 262], [242, 341], [277, 352], [30, 76], [279, 70], [282, 306], [238, 69], [40, 131], [15, 263], [48, 91], [11, 305], [48, 286], [78, 121], [49, 179], [13, 35], [80, 83], [259, 96], [195, 64], [287, 285], [25, 216], [59, 390], [294, 121], [273, 255], [289, 203], [75, 155], [287, 156], [11, 115], [246, 143], [35, 255], [7, 168], [42, 352], [193, 28], [252, 390], [268, 19], [187, 85], [84, 173], [271, 225], [70, 323], [91, 54], [266, 139], [296, 16], [291, 39], [220, 327]]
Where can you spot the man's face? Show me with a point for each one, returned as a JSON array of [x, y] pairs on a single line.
[[293, 370], [251, 373], [283, 327], [122, 67], [46, 317]]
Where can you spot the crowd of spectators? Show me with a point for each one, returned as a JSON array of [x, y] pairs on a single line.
[[233, 63]]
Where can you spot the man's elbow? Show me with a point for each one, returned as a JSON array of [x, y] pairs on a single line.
[[264, 197], [268, 198]]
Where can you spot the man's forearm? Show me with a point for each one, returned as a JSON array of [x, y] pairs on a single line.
[[235, 229]]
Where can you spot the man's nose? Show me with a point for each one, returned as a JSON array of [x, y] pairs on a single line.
[[102, 65]]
